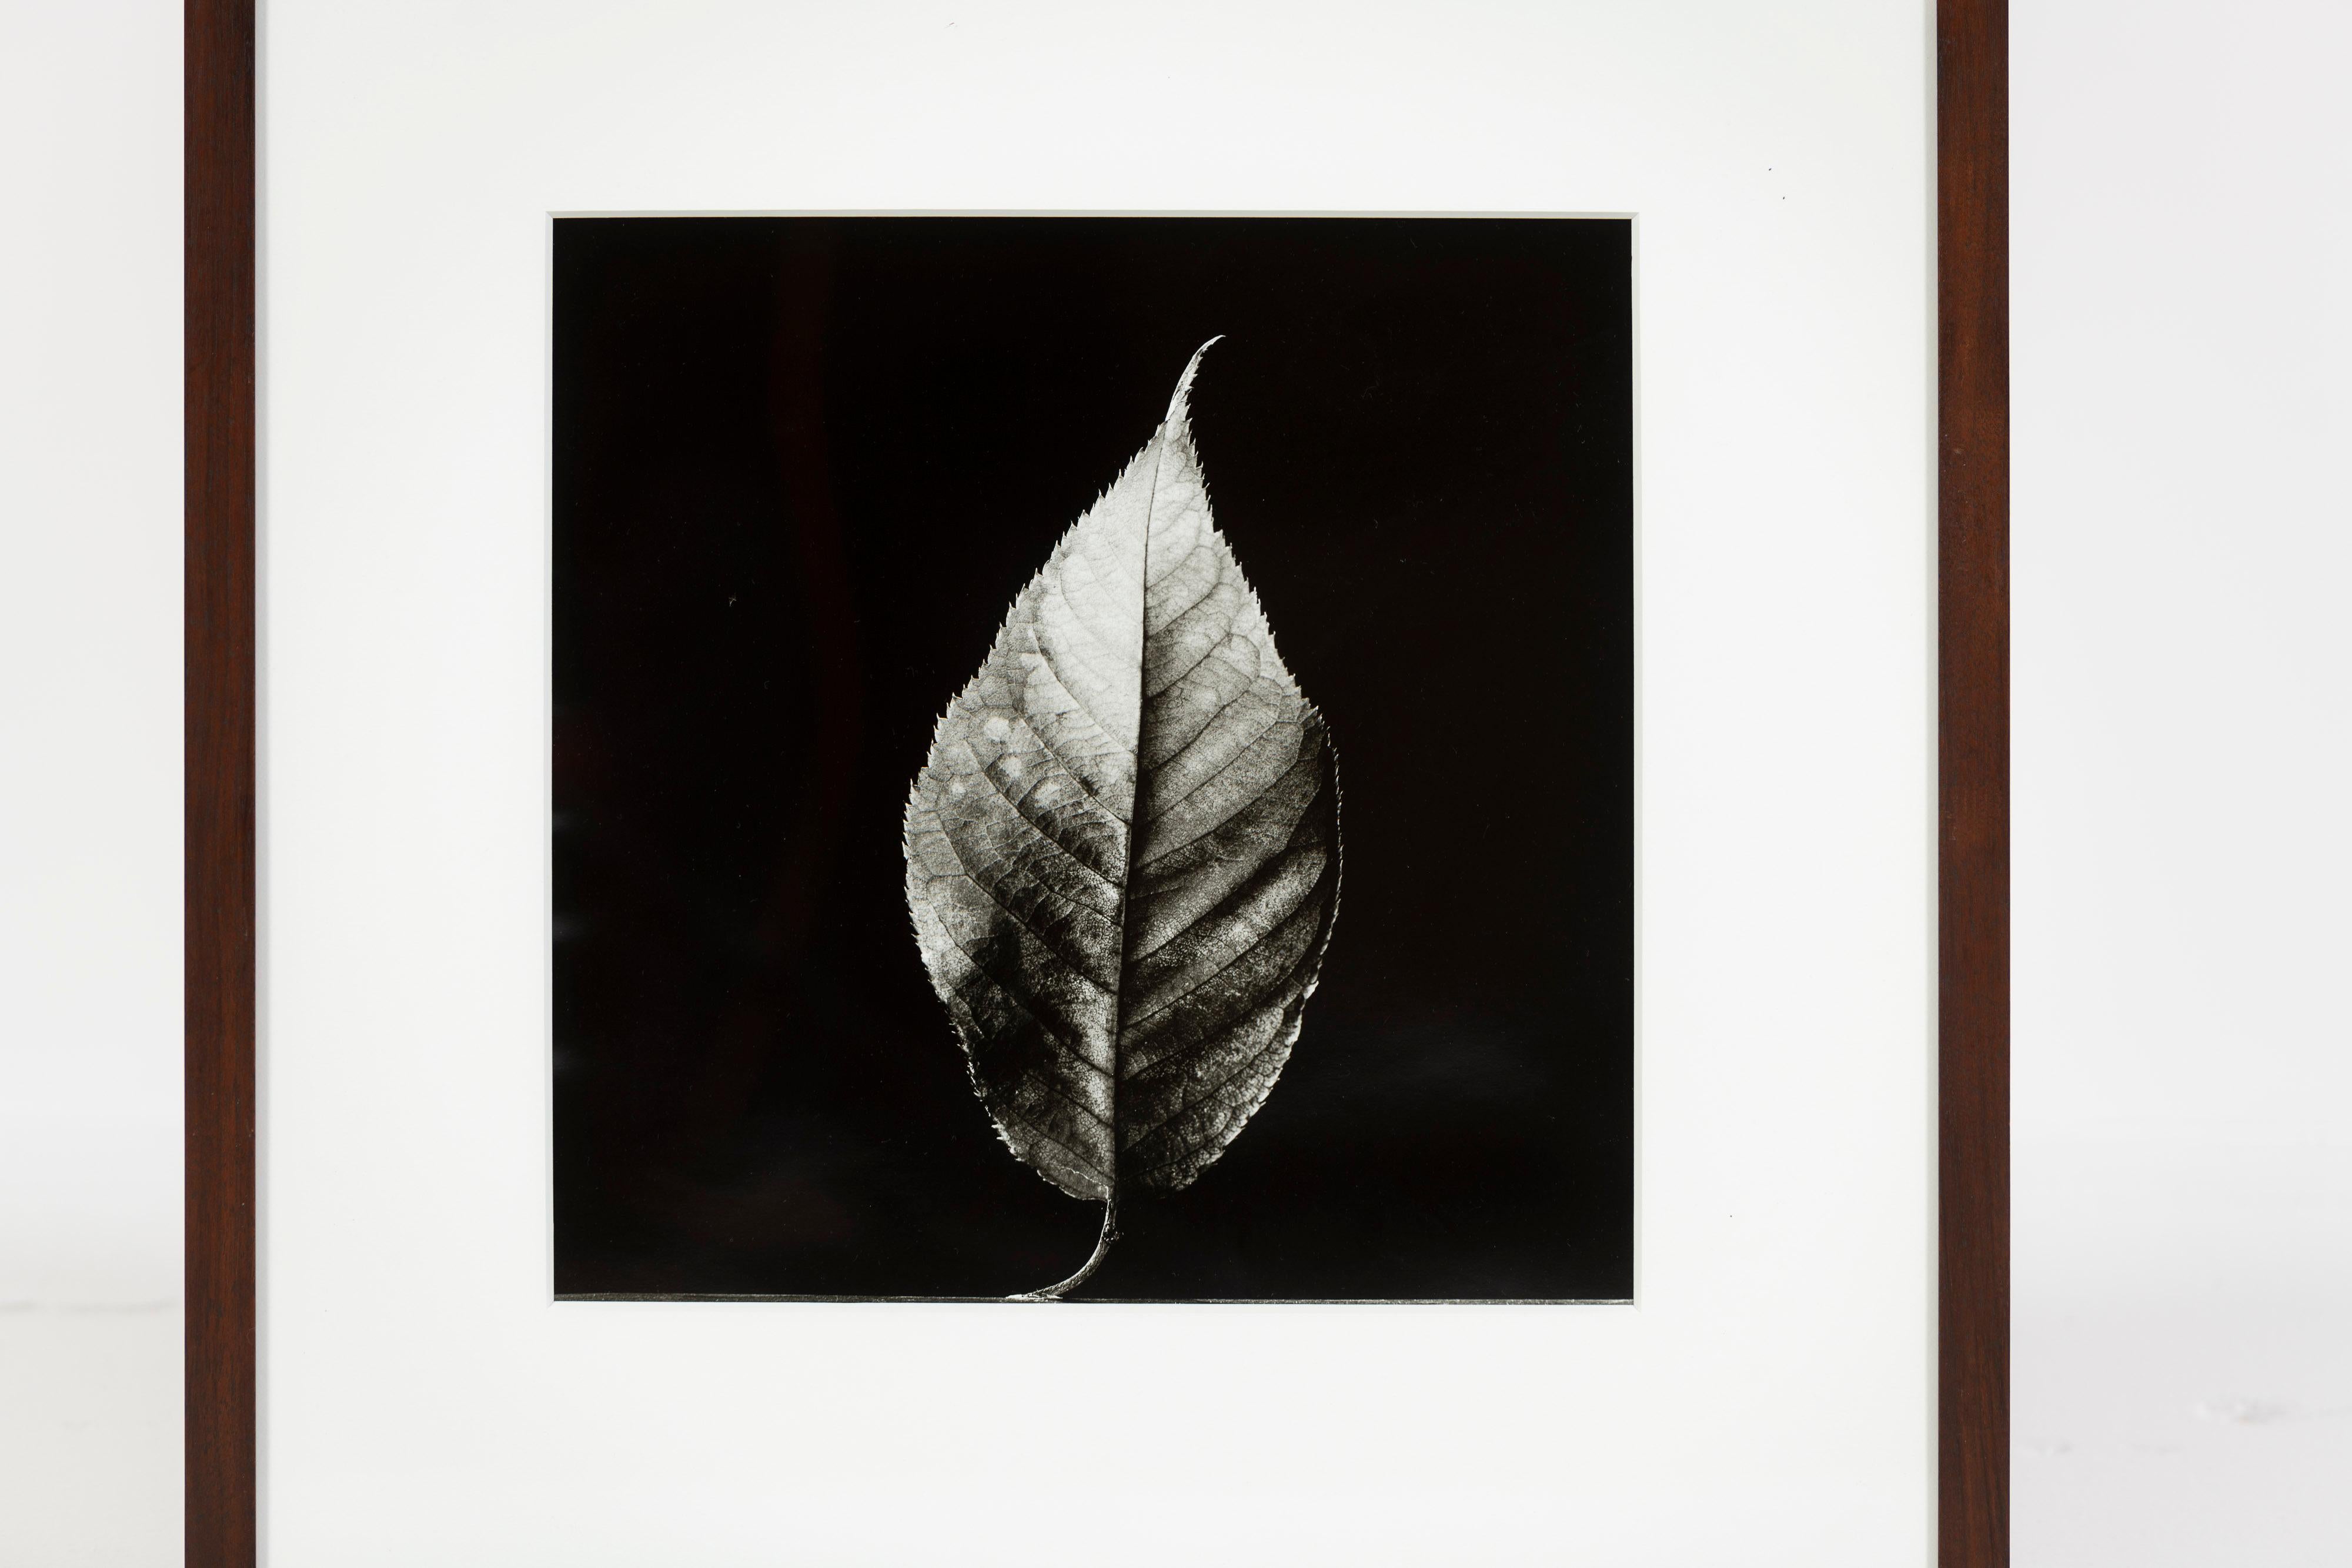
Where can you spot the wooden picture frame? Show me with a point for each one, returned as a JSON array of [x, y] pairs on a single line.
[[221, 850]]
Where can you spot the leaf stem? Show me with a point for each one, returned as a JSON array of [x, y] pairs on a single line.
[[1102, 1245]]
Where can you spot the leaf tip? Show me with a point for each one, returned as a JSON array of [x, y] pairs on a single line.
[[1176, 404]]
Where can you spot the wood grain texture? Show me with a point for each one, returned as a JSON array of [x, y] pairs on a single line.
[[219, 891], [1972, 335]]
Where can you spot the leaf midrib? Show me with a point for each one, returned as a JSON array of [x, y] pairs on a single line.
[[1135, 818]]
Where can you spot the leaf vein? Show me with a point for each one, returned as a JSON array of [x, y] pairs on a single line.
[[1181, 676], [1304, 759], [1159, 811], [1013, 916], [1288, 915], [1024, 819], [1280, 1036]]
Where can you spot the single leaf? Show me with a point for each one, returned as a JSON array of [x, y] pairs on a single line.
[[1123, 852]]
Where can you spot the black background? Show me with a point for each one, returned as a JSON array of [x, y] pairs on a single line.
[[802, 466]]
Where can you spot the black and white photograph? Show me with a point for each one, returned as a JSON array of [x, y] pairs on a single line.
[[1093, 757], [1571, 761]]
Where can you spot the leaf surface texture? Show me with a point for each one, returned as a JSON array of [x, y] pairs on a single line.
[[1123, 851]]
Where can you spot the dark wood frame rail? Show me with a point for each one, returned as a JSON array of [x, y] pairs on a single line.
[[1972, 256], [219, 892], [1972, 781]]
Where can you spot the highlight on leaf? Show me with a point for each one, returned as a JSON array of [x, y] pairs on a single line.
[[1123, 851]]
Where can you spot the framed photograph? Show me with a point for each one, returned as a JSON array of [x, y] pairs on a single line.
[[955, 655], [870, 736]]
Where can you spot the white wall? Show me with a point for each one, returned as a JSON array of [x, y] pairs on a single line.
[[89, 782], [2184, 1062], [2183, 681]]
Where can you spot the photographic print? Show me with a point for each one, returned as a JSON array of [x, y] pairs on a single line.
[[1093, 759]]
